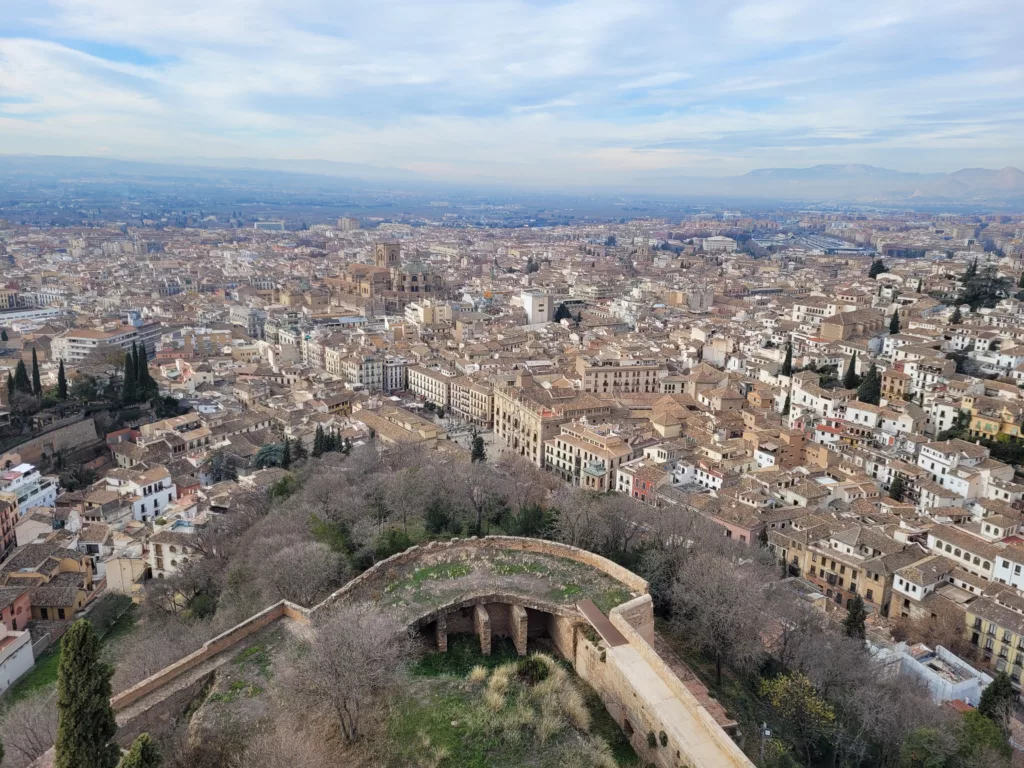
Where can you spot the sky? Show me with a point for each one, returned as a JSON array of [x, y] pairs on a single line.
[[521, 91]]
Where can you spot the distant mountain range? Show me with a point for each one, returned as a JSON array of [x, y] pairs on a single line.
[[846, 183], [860, 183]]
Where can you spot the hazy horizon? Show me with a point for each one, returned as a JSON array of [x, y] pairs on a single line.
[[518, 92]]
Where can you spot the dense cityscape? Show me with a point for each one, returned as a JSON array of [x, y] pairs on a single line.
[[511, 384], [789, 426]]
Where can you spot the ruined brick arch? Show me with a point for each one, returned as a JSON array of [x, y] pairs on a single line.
[[375, 579], [471, 601]]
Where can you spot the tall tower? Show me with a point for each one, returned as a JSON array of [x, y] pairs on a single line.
[[386, 254]]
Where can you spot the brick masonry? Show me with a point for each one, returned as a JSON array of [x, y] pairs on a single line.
[[482, 626]]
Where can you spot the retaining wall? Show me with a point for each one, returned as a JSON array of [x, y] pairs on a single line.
[[209, 649]]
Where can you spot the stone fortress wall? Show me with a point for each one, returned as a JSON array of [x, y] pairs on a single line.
[[615, 656]]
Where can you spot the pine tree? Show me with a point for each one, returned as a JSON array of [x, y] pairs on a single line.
[[21, 380], [62, 382], [896, 489], [972, 270], [85, 721], [856, 614], [37, 384], [286, 454], [850, 377], [479, 453], [957, 318], [129, 389], [787, 364], [870, 389], [894, 322], [562, 313], [319, 441], [877, 268], [143, 754]]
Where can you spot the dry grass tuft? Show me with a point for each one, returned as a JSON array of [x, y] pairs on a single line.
[[477, 674]]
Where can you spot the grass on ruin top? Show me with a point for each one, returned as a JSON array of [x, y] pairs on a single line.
[[431, 573]]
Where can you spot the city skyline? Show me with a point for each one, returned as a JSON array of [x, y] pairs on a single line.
[[518, 92]]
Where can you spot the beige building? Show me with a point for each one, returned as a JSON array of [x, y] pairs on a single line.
[[527, 414], [433, 386], [629, 374], [587, 456], [473, 401]]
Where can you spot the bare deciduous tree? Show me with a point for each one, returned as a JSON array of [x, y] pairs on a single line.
[[29, 728], [717, 606], [304, 572], [355, 659]]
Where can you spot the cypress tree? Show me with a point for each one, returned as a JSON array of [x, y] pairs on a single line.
[[894, 322], [856, 614], [896, 489], [85, 721], [62, 382], [143, 754], [787, 364], [786, 407], [286, 454], [299, 449], [850, 378], [972, 270], [135, 363], [21, 380], [870, 389], [37, 384], [3, 333], [10, 387], [129, 392], [319, 441], [1020, 283], [957, 318]]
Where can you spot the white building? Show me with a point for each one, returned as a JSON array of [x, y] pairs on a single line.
[[31, 488], [76, 344], [947, 676], [538, 307], [15, 655], [718, 244], [150, 491]]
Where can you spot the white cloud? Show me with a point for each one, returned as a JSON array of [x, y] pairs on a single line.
[[513, 89]]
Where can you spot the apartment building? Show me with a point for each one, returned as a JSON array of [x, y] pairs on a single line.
[[587, 455], [528, 413], [74, 345], [396, 371], [149, 491], [994, 624], [432, 385], [620, 375], [473, 401], [29, 488], [170, 550]]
